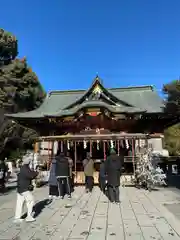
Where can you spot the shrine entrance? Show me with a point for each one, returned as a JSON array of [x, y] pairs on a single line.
[[98, 145]]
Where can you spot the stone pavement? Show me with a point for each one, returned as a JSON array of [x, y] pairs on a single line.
[[141, 215]]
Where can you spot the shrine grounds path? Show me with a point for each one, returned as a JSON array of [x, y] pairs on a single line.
[[140, 216]]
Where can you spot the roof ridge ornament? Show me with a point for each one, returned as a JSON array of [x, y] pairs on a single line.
[[98, 79]]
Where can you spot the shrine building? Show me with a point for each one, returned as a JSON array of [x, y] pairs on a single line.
[[97, 119]]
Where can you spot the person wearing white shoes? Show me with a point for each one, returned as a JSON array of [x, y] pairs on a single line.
[[24, 190]]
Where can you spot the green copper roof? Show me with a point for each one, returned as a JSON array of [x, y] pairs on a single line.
[[114, 109], [63, 103]]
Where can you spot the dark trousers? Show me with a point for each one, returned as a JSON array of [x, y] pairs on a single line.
[[89, 182], [64, 186], [2, 185], [53, 190], [102, 183], [71, 180], [113, 193]]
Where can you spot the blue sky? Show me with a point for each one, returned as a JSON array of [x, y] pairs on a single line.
[[128, 42]]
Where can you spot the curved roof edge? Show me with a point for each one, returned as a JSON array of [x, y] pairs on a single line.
[[114, 109], [129, 88]]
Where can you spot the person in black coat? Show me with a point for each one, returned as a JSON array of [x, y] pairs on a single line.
[[113, 166], [53, 185], [102, 176], [62, 172]]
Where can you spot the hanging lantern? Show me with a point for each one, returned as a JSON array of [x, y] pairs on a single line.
[[85, 144], [127, 144], [97, 144], [111, 144], [68, 145]]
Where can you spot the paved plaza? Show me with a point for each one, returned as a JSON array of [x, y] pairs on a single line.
[[141, 215]]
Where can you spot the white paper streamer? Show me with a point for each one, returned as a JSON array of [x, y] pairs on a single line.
[[97, 144], [68, 145], [127, 143], [55, 148], [85, 144], [112, 144]]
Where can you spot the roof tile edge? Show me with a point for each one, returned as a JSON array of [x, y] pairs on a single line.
[[130, 88]]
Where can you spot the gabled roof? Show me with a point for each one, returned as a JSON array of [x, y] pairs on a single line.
[[130, 99]]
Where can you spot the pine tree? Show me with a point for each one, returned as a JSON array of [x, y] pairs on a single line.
[[20, 91]]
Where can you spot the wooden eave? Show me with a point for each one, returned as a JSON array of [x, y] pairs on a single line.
[[99, 136]]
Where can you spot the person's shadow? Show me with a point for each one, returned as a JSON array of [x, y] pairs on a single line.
[[38, 207]]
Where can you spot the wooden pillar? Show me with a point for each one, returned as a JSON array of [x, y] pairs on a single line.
[[51, 156], [118, 146], [48, 162], [169, 171], [75, 161], [104, 149], [133, 156], [90, 145], [62, 146], [36, 147]]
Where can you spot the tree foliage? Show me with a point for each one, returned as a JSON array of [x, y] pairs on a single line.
[[172, 94], [20, 91], [8, 47], [172, 139], [172, 106]]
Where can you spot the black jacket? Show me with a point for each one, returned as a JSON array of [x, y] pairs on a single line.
[[25, 177], [113, 165], [62, 166], [102, 170]]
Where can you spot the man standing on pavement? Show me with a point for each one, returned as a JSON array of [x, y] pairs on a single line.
[[88, 164], [62, 175], [113, 166], [24, 190]]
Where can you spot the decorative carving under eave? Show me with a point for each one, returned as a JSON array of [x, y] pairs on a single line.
[[52, 120], [120, 116], [93, 111], [93, 114], [68, 118], [107, 113], [96, 93], [137, 116]]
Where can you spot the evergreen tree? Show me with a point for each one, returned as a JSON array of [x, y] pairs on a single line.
[[172, 107], [20, 91]]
